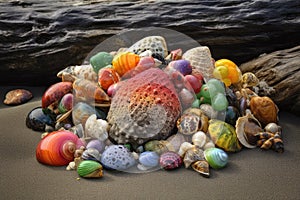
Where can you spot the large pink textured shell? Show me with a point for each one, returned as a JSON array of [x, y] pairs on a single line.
[[144, 107], [58, 148]]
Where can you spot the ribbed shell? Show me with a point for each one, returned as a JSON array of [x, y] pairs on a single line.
[[170, 160], [124, 62], [216, 158]]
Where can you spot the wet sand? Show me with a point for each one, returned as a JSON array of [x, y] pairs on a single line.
[[250, 174]]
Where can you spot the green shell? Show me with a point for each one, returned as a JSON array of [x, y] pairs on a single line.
[[224, 135], [88, 167], [100, 60]]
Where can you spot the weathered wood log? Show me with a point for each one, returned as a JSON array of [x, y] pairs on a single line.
[[280, 70], [40, 37]]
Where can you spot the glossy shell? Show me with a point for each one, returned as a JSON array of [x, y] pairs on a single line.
[[156, 44], [71, 73], [90, 169], [66, 103], [264, 109], [216, 158], [144, 64], [96, 144], [100, 60], [88, 91], [170, 160], [17, 96], [124, 62], [144, 108], [183, 66], [246, 129], [202, 167], [37, 119], [192, 155], [199, 139], [149, 159], [107, 77], [201, 61], [58, 148], [233, 75], [117, 157], [55, 92], [224, 135]]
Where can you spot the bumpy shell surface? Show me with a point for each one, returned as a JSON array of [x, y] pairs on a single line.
[[264, 109], [170, 160], [96, 128], [224, 135], [201, 61], [90, 169], [216, 158], [156, 44], [17, 96], [144, 107], [78, 72]]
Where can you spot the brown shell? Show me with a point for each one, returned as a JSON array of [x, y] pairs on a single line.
[[17, 96], [264, 109], [201, 167]]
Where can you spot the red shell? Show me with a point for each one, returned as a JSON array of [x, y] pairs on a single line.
[[195, 83], [55, 92], [107, 77], [170, 160], [58, 148]]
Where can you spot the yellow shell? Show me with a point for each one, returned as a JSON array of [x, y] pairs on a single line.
[[124, 62]]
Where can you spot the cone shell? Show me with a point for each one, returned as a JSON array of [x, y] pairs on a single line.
[[156, 44], [90, 169], [201, 61], [58, 148], [216, 158], [124, 62], [17, 96], [224, 135]]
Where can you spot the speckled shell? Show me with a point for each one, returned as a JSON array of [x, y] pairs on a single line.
[[201, 61], [224, 135], [144, 108], [156, 44], [117, 157], [78, 72], [86, 90], [17, 96], [264, 109], [90, 169], [170, 160], [216, 158], [55, 92], [58, 148], [124, 62]]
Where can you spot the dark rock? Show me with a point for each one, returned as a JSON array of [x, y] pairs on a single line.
[[40, 37]]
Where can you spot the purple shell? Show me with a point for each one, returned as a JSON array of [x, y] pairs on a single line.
[[183, 66], [170, 160], [97, 144]]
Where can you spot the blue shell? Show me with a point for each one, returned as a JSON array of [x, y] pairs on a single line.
[[117, 157], [216, 158], [149, 159], [97, 144]]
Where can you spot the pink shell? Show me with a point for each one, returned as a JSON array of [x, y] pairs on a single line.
[[58, 148], [170, 160]]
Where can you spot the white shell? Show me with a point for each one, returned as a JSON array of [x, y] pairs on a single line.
[[199, 139], [208, 145], [96, 128], [79, 71], [184, 147]]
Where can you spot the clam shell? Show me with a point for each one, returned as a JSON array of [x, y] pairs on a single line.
[[58, 148], [149, 159], [202, 167], [217, 158], [201, 61], [156, 44], [90, 169], [170, 160], [17, 96]]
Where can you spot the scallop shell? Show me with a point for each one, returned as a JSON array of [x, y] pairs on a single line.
[[90, 169], [124, 62], [58, 148], [156, 44], [55, 92], [17, 96], [216, 158], [170, 160], [201, 61], [78, 72], [202, 167], [149, 159], [192, 155]]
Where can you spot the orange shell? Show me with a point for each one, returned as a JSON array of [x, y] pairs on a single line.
[[124, 62], [107, 77], [234, 73]]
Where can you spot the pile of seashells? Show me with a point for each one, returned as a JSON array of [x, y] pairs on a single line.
[[144, 108]]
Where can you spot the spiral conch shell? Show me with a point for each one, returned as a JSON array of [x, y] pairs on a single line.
[[58, 148]]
